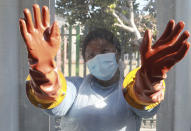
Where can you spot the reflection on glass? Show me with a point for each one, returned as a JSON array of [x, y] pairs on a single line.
[[126, 19]]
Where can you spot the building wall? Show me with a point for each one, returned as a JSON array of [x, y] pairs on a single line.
[[8, 66], [16, 113], [175, 111]]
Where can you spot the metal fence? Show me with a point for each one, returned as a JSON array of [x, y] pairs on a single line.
[[70, 60]]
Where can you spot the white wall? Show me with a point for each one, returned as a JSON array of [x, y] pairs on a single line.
[[9, 82], [16, 113], [175, 111], [182, 119]]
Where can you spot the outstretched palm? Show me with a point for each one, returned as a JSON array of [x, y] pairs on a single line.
[[158, 59], [42, 41]]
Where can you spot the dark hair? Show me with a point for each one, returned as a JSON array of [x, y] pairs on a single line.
[[102, 34]]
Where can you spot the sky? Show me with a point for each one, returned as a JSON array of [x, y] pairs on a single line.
[[142, 3]]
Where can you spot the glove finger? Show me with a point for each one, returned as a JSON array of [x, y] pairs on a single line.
[[173, 58], [45, 16], [146, 43], [174, 34], [23, 29], [37, 16], [169, 28], [164, 50], [55, 34], [28, 20]]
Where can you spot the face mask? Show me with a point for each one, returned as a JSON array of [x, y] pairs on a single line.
[[103, 66]]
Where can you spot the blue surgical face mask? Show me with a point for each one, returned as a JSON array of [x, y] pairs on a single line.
[[103, 66]]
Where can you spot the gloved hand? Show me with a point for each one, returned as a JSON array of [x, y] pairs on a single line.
[[158, 59], [169, 49], [42, 42]]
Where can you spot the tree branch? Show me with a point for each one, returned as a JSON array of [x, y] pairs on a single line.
[[121, 24], [123, 17], [130, 29], [137, 33], [117, 17], [131, 12]]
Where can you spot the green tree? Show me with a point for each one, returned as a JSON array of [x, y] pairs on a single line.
[[122, 17]]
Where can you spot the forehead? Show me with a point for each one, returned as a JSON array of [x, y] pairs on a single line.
[[99, 44]]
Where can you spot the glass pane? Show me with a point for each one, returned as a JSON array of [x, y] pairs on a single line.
[[126, 19]]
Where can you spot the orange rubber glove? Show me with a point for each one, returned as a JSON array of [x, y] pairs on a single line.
[[169, 49], [158, 59], [42, 42]]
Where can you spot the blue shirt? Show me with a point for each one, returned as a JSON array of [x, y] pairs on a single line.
[[73, 84]]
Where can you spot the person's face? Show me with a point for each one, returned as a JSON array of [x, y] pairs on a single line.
[[99, 46]]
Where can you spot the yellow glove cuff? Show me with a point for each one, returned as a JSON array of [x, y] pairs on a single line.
[[47, 104], [130, 96]]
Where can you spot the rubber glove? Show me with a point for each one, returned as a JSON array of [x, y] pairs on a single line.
[[42, 42], [158, 59]]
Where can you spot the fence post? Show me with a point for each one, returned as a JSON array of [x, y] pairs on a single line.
[[77, 49], [70, 50], [62, 49]]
